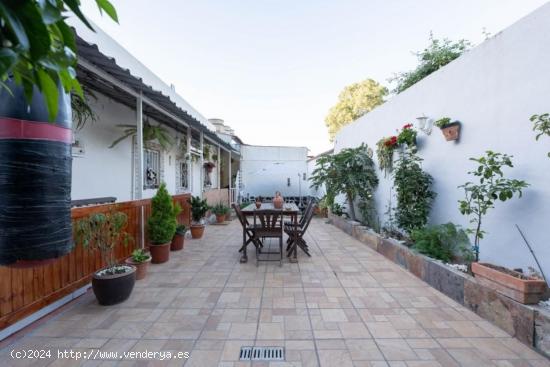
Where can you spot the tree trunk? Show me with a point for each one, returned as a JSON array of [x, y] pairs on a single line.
[[351, 207]]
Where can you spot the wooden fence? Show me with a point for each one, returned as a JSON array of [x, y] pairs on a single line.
[[25, 291]]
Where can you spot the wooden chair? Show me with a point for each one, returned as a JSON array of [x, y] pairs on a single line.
[[268, 224], [296, 234], [303, 217], [248, 233]]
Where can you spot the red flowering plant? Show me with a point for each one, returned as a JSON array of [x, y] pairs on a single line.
[[407, 135], [384, 151]]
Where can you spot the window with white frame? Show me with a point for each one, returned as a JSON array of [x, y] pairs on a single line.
[[151, 174], [184, 171]]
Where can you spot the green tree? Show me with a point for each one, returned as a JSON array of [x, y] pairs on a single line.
[[38, 47], [350, 172], [162, 223], [492, 186], [438, 54], [353, 102]]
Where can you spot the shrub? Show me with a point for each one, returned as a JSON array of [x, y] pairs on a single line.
[[445, 242], [162, 223], [199, 207], [220, 209], [414, 197]]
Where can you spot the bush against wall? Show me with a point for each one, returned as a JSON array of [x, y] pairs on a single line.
[[350, 172], [438, 54], [445, 242], [414, 196]]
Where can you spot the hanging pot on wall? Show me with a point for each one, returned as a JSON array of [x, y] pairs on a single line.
[[451, 131], [35, 179]]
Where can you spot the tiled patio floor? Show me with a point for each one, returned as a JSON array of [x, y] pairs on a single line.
[[344, 306]]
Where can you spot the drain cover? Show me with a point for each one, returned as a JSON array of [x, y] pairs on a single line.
[[262, 354]]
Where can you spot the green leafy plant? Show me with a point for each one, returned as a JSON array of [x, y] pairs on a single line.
[[480, 197], [199, 207], [181, 229], [139, 256], [103, 231], [445, 242], [414, 194], [384, 151], [39, 49], [82, 112], [407, 136], [220, 209], [541, 125], [438, 54], [206, 152], [150, 133], [162, 222], [442, 122], [337, 209], [350, 172]]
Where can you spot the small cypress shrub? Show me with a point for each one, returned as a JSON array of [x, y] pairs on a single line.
[[162, 223]]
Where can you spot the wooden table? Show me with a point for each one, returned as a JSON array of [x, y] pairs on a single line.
[[289, 209]]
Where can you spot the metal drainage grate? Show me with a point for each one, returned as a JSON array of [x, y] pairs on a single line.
[[262, 354]]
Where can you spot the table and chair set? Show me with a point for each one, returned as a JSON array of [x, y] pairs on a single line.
[[268, 222]]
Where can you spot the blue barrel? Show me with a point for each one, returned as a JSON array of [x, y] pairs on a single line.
[[35, 179]]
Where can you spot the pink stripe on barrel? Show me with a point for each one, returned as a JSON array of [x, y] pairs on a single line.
[[33, 130]]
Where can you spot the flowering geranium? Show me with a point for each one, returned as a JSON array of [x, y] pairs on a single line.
[[390, 142], [407, 136]]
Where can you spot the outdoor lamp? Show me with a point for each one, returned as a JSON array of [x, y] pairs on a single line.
[[424, 124]]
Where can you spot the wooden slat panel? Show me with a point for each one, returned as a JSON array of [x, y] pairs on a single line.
[[5, 291], [17, 288]]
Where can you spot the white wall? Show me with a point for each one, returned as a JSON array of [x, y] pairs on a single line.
[[492, 90], [266, 169], [102, 171]]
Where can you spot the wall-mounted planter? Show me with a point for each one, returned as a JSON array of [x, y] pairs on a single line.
[[451, 131], [510, 283]]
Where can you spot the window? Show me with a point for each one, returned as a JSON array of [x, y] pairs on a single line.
[[184, 175], [151, 174]]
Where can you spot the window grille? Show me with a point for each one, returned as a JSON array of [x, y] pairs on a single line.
[[184, 175], [151, 176]]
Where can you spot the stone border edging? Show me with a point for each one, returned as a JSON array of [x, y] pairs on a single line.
[[529, 324]]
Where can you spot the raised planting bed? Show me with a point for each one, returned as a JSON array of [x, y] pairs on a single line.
[[528, 323]]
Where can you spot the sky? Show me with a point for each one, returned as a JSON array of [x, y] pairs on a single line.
[[273, 68]]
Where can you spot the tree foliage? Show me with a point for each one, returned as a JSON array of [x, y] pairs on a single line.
[[438, 54], [492, 186], [414, 194], [38, 47], [541, 125], [350, 172], [353, 102]]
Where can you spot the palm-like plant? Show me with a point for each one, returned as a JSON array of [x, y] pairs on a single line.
[[150, 133]]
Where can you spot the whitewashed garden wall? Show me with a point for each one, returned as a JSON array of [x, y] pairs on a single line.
[[493, 90]]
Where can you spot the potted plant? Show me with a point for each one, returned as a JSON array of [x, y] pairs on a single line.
[[385, 148], [323, 207], [103, 231], [220, 210], [140, 259], [450, 130], [407, 136], [479, 199], [228, 215], [179, 237], [161, 225], [199, 207]]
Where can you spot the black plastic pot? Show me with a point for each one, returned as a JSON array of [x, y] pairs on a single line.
[[35, 179], [113, 289]]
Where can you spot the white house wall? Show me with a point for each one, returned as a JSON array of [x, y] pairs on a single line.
[[267, 169], [492, 90]]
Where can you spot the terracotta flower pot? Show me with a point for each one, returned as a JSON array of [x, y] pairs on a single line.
[[113, 289], [141, 268], [177, 242], [220, 218], [160, 253], [526, 290], [278, 202], [197, 230], [451, 131]]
